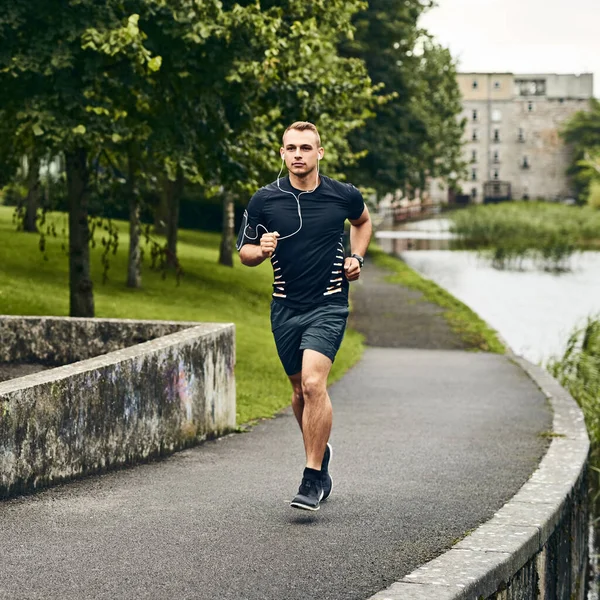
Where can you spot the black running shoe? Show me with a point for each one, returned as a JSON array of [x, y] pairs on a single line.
[[309, 495], [325, 476]]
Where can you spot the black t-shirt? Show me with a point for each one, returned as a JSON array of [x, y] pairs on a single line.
[[308, 263]]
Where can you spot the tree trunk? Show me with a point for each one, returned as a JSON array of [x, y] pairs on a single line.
[[33, 194], [227, 235], [161, 212], [174, 191], [134, 273], [80, 282]]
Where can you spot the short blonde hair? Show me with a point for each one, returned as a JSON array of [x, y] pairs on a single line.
[[303, 126]]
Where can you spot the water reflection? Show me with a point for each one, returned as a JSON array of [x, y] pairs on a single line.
[[398, 244]]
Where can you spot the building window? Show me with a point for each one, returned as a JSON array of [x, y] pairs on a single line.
[[530, 107], [525, 164], [530, 87], [496, 85], [496, 156], [475, 85], [496, 115], [474, 136], [521, 135], [496, 135], [474, 193], [475, 115], [496, 174], [474, 156], [473, 174]]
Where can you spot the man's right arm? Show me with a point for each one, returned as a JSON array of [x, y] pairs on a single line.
[[252, 255]]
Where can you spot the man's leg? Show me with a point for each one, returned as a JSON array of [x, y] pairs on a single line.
[[297, 397], [315, 410]]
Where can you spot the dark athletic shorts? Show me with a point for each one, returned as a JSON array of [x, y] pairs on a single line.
[[321, 328]]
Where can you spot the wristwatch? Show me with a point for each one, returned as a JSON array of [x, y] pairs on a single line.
[[360, 259]]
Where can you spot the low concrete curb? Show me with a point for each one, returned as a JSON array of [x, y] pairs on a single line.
[[535, 546]]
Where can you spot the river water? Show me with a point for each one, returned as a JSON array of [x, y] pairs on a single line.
[[534, 311]]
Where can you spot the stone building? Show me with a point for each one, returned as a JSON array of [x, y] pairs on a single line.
[[511, 140]]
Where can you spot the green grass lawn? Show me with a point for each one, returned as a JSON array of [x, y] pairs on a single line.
[[30, 285]]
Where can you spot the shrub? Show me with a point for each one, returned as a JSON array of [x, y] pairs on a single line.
[[594, 194]]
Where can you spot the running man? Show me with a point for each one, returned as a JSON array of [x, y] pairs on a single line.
[[298, 223]]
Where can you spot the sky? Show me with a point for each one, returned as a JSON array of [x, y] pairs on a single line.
[[520, 36]]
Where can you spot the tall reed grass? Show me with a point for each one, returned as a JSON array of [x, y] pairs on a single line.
[[578, 371], [511, 232]]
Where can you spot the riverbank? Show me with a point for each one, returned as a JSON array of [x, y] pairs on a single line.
[[430, 316], [511, 232]]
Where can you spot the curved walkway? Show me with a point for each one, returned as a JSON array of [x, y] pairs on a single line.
[[428, 444]]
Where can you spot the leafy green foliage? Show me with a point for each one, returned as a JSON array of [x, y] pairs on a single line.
[[594, 194], [416, 134], [148, 93], [582, 131], [578, 370], [58, 73], [298, 75]]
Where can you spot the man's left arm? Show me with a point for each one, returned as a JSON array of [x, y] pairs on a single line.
[[360, 236]]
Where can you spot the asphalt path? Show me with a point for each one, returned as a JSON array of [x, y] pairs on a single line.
[[428, 444]]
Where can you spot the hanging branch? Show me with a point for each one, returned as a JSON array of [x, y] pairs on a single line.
[[161, 259]]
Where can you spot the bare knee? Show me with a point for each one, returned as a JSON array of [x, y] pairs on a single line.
[[312, 387]]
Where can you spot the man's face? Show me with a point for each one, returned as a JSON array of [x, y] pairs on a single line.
[[301, 151]]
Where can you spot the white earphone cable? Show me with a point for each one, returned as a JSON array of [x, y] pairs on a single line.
[[297, 198]]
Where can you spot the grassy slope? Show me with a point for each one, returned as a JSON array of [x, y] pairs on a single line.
[[208, 292], [473, 330]]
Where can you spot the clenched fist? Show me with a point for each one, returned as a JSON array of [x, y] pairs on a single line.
[[351, 268], [268, 243]]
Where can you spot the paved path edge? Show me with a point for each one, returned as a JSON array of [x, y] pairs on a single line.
[[517, 536]]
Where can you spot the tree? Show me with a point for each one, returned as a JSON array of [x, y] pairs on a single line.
[[204, 47], [413, 136], [582, 131], [590, 168], [435, 103], [297, 74], [52, 66], [20, 164], [33, 193]]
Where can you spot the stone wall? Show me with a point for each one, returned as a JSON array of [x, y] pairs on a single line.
[[127, 405], [57, 341]]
